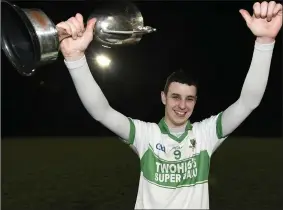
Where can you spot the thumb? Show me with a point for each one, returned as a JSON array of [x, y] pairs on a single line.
[[245, 14], [90, 25]]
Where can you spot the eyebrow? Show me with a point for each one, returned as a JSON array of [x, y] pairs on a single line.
[[189, 96]]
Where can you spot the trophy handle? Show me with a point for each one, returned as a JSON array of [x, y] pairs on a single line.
[[62, 33], [140, 30]]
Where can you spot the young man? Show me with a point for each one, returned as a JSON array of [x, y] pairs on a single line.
[[175, 154]]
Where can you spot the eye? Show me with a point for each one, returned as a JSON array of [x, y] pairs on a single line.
[[175, 97], [190, 99]]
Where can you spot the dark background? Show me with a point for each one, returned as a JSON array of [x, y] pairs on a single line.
[[209, 38]]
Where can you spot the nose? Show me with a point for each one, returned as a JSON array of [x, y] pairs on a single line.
[[182, 104]]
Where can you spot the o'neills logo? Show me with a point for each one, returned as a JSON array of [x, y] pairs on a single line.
[[172, 174]]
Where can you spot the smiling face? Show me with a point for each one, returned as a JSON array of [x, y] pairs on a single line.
[[179, 102]]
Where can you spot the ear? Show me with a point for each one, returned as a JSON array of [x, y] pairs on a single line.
[[163, 97]]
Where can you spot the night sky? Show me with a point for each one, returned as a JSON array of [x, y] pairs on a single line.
[[211, 39]]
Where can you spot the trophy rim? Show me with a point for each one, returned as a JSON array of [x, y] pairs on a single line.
[[29, 68]]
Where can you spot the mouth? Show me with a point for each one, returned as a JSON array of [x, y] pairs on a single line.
[[180, 113]]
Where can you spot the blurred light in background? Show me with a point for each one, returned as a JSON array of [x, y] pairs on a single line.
[[103, 61]]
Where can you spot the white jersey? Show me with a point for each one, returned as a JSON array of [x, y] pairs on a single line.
[[174, 170]]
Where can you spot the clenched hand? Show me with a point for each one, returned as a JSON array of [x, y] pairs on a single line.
[[74, 46]]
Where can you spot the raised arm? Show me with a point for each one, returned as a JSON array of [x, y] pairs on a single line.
[[265, 25], [91, 95]]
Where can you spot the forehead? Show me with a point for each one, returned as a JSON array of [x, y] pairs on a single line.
[[182, 89]]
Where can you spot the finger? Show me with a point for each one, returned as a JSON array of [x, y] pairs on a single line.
[[73, 28], [90, 25], [76, 24], [256, 8], [63, 27], [245, 14], [263, 9], [277, 9], [270, 9], [80, 19]]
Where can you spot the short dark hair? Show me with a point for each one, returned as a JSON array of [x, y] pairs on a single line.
[[182, 77]]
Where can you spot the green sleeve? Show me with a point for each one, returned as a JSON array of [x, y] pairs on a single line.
[[132, 132], [219, 126]]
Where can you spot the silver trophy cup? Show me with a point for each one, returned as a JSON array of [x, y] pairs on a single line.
[[30, 38]]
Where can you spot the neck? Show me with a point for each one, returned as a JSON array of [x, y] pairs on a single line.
[[175, 128]]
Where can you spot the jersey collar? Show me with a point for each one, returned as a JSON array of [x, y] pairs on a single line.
[[165, 130]]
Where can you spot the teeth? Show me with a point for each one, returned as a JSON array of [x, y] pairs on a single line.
[[180, 113]]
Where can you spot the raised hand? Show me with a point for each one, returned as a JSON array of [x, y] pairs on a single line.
[[266, 21], [78, 36]]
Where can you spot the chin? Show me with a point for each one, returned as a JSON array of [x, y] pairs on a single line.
[[176, 121], [180, 121]]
